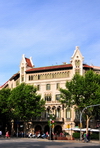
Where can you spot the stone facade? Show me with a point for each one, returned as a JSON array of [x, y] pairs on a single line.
[[48, 81]]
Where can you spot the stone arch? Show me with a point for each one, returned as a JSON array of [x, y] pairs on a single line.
[[46, 129], [38, 129], [58, 129], [53, 107]]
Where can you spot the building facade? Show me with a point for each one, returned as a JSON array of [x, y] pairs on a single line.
[[48, 80]]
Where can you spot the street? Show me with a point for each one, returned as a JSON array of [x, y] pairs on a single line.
[[42, 143]]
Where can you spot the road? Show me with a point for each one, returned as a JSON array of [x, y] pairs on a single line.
[[39, 143]]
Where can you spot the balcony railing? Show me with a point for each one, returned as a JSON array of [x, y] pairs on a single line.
[[41, 119], [53, 102]]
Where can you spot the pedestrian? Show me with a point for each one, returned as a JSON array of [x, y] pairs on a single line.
[[7, 134], [47, 135], [88, 136], [85, 137]]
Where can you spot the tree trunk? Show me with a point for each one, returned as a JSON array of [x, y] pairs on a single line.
[[87, 123]]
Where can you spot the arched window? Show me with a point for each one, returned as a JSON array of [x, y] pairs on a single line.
[[58, 113], [77, 63]]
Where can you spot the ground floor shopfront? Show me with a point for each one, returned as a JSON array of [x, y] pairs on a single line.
[[17, 128]]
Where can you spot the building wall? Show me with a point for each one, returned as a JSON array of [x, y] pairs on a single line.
[[55, 78]]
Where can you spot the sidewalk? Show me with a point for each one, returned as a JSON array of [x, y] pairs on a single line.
[[76, 141], [40, 139]]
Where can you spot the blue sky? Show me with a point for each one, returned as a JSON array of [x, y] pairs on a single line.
[[47, 31]]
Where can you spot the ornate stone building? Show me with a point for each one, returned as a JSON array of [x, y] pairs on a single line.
[[48, 81]]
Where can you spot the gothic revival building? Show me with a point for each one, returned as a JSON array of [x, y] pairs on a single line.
[[48, 81]]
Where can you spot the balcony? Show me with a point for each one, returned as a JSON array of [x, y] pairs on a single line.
[[41, 119], [53, 102]]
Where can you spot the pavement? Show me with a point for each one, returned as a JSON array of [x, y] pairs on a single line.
[[40, 139], [73, 141]]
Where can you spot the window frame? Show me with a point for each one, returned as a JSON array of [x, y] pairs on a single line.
[[48, 86], [57, 96], [68, 113]]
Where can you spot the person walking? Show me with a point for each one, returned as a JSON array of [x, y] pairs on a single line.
[[7, 134], [88, 136], [85, 137]]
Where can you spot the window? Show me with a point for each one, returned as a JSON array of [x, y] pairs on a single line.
[[47, 86], [22, 78], [77, 62], [57, 86], [22, 70], [68, 74], [31, 77], [38, 77], [38, 87], [58, 114], [17, 83], [58, 97], [68, 113], [77, 71], [48, 97]]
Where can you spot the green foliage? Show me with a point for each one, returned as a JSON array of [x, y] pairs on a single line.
[[76, 135], [95, 136], [65, 133], [5, 108], [26, 103], [82, 91]]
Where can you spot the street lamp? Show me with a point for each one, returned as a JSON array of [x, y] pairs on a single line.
[[98, 125], [81, 117], [50, 116], [71, 130]]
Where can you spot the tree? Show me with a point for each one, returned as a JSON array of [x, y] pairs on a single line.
[[82, 91], [5, 109], [26, 103]]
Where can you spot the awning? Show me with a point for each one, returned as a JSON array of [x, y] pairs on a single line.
[[83, 129]]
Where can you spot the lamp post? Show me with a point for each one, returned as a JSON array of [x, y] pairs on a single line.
[[99, 134], [98, 125], [71, 130], [50, 116], [81, 116]]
